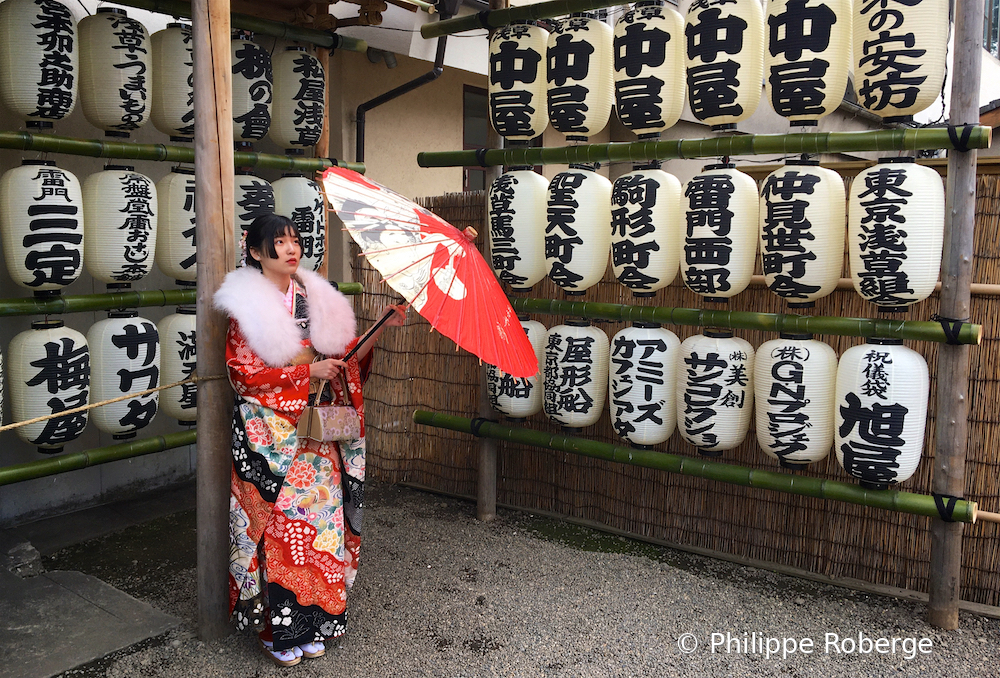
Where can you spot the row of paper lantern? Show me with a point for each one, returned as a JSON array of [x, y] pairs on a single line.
[[871, 408], [125, 77], [131, 222], [710, 229], [53, 368], [719, 56]]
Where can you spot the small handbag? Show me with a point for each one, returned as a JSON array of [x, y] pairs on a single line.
[[330, 423]]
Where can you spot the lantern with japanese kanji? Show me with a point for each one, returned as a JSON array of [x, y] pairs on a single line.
[[580, 77], [803, 214], [895, 232], [794, 381], [519, 398], [577, 237], [299, 100], [714, 391], [115, 67], [125, 359], [575, 374], [41, 225], [517, 244], [881, 410], [120, 207], [252, 84], [49, 372], [725, 60], [175, 232], [517, 81], [38, 60], [173, 82], [642, 383], [178, 359], [646, 220], [719, 246], [807, 58], [301, 200], [254, 197]]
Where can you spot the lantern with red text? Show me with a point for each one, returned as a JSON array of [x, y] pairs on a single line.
[[125, 359], [514, 397], [176, 251], [580, 85], [517, 81], [252, 84], [517, 244], [642, 383], [173, 82], [299, 100], [301, 200], [577, 237], [575, 374], [119, 205], [178, 359]]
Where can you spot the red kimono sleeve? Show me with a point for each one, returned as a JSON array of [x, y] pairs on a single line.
[[283, 389]]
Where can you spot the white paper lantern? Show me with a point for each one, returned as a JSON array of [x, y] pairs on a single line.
[[808, 57], [881, 410], [795, 379], [720, 238], [580, 77], [301, 200], [517, 88], [176, 251], [646, 228], [714, 391], [575, 374], [519, 398], [517, 243], [252, 84], [49, 372], [895, 232], [173, 82], [899, 55], [725, 60], [38, 60], [120, 207], [299, 100], [254, 197], [642, 385], [115, 71], [178, 359], [577, 237], [125, 359], [41, 225], [803, 215], [649, 67]]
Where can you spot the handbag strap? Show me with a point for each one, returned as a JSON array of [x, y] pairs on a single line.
[[343, 382]]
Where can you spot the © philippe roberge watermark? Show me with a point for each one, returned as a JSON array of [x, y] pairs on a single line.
[[754, 643]]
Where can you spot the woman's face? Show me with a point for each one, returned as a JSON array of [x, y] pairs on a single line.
[[286, 246]]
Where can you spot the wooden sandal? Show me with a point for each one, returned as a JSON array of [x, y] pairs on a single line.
[[279, 657]]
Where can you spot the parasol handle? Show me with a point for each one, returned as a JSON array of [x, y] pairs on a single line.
[[364, 337]]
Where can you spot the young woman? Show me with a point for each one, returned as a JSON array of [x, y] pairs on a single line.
[[295, 509]]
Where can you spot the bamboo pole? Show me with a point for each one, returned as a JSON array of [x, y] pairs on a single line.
[[918, 330], [890, 500], [907, 139], [495, 18], [977, 289]]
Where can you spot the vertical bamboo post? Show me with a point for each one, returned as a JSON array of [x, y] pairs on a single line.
[[323, 151], [953, 361], [215, 209]]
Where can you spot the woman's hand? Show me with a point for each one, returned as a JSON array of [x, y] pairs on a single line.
[[326, 369], [398, 318]]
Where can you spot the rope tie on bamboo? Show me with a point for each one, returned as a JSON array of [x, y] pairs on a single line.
[[961, 143], [481, 157], [945, 510], [951, 328], [477, 424]]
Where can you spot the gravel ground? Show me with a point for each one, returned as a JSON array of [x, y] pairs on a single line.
[[441, 594]]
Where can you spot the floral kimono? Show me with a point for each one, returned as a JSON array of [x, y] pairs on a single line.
[[295, 505]]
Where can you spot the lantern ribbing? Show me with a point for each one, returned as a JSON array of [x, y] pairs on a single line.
[[746, 144], [501, 17], [918, 330], [890, 500]]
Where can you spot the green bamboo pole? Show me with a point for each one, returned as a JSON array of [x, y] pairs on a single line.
[[890, 500], [501, 17], [63, 463], [744, 144], [917, 330]]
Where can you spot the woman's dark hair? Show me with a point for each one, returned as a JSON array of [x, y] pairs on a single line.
[[262, 233]]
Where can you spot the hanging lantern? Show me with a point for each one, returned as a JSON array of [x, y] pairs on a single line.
[[49, 373], [125, 358], [580, 86], [808, 57], [517, 398], [895, 232], [646, 220], [178, 359], [299, 100], [725, 60], [252, 84], [649, 67], [642, 386], [517, 81], [881, 410], [38, 60], [720, 242], [577, 237], [173, 82], [254, 197], [176, 252], [803, 210], [794, 382], [115, 65], [119, 205], [517, 244], [900, 55], [714, 391], [301, 200], [41, 225], [575, 374]]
